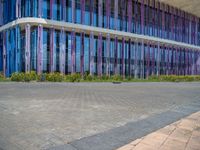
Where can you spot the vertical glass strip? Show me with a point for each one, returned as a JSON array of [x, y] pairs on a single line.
[[91, 53], [27, 48]]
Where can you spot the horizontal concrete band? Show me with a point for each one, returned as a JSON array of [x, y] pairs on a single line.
[[96, 30]]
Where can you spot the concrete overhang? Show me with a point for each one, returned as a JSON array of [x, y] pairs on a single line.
[[190, 6], [59, 25]]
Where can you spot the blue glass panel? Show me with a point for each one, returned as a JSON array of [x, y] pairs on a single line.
[[78, 48], [46, 9], [34, 49], [45, 52]]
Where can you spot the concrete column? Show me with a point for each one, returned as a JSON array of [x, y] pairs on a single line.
[[40, 49], [99, 58], [115, 14], [62, 51], [73, 52], [91, 53], [27, 47], [82, 53], [108, 55]]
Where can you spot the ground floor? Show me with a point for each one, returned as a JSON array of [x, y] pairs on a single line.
[[84, 116], [44, 49]]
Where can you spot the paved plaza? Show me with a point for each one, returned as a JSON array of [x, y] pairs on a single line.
[[89, 116], [181, 135]]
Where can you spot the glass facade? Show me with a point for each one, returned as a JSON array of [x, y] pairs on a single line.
[[96, 53]]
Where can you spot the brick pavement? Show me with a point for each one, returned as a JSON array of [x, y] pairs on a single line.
[[181, 135]]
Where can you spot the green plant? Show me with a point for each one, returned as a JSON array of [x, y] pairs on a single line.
[[73, 77], [89, 78], [27, 77], [17, 77], [41, 77], [54, 77], [33, 75], [117, 78]]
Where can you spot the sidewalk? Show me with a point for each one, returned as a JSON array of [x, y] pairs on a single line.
[[181, 135]]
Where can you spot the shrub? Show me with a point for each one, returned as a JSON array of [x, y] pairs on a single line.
[[41, 77], [27, 77], [54, 77], [1, 75], [17, 77], [89, 78], [33, 75], [76, 77], [116, 78], [105, 78]]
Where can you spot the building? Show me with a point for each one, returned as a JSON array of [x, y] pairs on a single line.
[[135, 38]]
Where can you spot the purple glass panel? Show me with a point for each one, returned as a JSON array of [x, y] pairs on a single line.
[[108, 55], [52, 50], [62, 51], [153, 59], [91, 53], [27, 48], [73, 11], [82, 11], [130, 15], [100, 7], [108, 13], [158, 59], [40, 8], [82, 53], [116, 14], [142, 16], [123, 61], [129, 57], [1, 13], [148, 60], [91, 11], [73, 53], [64, 10], [40, 48], [4, 53], [51, 8], [99, 55], [115, 55]]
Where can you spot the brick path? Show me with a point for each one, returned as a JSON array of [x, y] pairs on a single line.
[[181, 135]]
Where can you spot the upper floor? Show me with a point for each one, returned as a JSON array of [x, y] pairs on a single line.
[[147, 17]]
